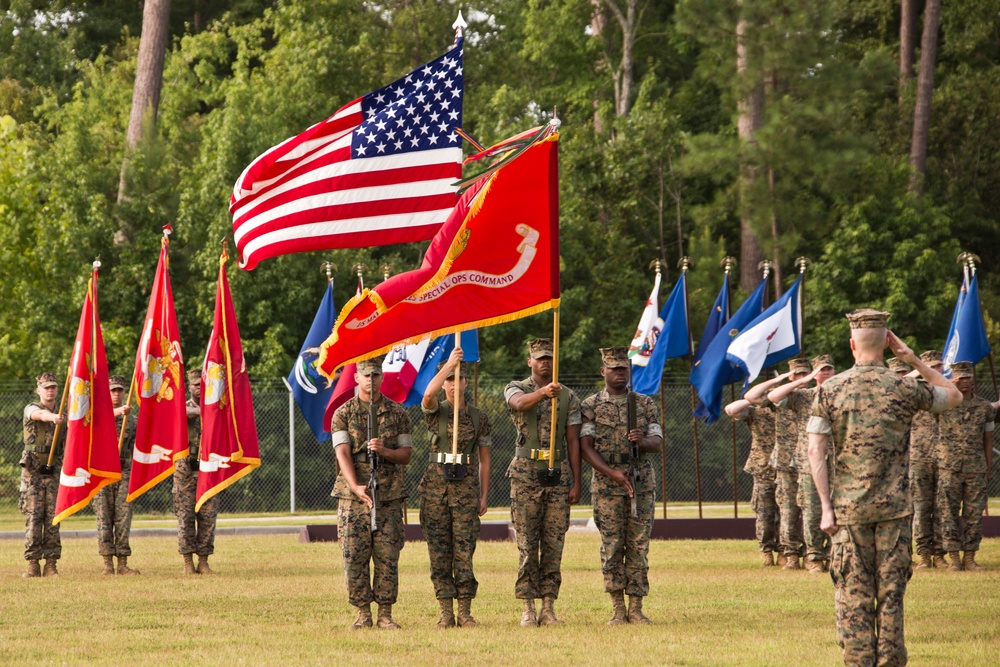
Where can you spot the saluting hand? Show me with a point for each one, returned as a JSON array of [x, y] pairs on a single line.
[[900, 349]]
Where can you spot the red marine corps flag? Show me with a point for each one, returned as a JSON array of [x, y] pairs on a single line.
[[91, 461], [161, 434], [229, 448], [496, 259]]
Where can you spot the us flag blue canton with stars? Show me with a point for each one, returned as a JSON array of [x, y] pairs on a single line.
[[415, 113]]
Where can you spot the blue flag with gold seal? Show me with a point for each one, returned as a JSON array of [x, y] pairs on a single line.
[[309, 388]]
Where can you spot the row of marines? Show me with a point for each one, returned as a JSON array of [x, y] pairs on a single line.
[[950, 456]]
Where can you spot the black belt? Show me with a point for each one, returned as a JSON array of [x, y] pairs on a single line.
[[535, 454], [442, 457], [617, 459]]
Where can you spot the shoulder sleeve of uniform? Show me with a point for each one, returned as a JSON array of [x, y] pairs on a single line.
[[485, 430], [511, 390], [403, 424], [820, 406], [338, 438], [818, 425], [587, 408], [29, 410], [783, 403], [574, 416], [340, 416], [433, 411], [938, 401], [746, 414]]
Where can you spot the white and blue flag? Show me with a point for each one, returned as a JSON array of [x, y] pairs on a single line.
[[775, 335]]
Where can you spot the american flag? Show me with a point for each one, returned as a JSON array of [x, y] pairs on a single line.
[[379, 171]]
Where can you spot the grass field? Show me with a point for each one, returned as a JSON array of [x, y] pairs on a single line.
[[276, 601]]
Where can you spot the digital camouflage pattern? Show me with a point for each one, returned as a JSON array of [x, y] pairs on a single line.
[[786, 495], [38, 492], [924, 480], [624, 538], [760, 419], [817, 543], [523, 469], [962, 488], [870, 568], [449, 511], [924, 437], [788, 425], [195, 530], [361, 548], [113, 512], [867, 412], [393, 422]]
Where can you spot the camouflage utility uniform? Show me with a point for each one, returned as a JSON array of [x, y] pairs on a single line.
[[359, 545], [624, 539], [866, 411], [195, 530], [38, 491], [961, 487], [923, 484], [113, 511], [540, 514], [817, 543], [788, 425], [760, 419], [449, 511]]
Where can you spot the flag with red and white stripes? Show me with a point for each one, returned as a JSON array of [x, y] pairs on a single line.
[[381, 170]]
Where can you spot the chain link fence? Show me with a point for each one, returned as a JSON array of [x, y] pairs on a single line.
[[297, 472]]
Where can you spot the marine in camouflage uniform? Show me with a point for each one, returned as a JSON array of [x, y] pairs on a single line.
[[450, 509], [113, 511], [392, 442], [964, 455], [863, 415], [38, 490], [606, 444], [786, 437], [195, 530], [924, 479], [758, 412], [540, 513]]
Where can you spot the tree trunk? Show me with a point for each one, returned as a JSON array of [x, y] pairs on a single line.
[[598, 20], [148, 76], [776, 259], [623, 75], [907, 42], [751, 112], [925, 90]]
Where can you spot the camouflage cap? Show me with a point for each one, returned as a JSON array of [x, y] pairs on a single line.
[[931, 357], [194, 375], [540, 348], [868, 318], [117, 382], [798, 366], [899, 366], [462, 368], [371, 366], [962, 369], [822, 361], [615, 357], [47, 379]]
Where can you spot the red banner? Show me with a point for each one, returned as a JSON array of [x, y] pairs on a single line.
[[91, 461], [229, 448], [496, 259], [161, 433]]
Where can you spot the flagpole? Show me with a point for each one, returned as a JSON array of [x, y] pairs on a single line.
[[729, 262], [969, 260], [454, 408], [555, 379], [62, 404], [386, 270], [475, 384], [128, 400], [663, 447], [803, 263]]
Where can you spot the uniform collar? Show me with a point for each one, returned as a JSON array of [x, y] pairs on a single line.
[[871, 362]]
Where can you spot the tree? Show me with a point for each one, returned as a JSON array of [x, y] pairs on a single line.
[[925, 91]]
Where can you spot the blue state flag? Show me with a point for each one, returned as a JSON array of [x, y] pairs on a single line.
[[775, 335], [967, 339], [309, 387], [716, 320], [714, 371], [438, 351], [671, 338]]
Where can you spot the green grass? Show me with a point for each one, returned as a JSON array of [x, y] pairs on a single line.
[[276, 601]]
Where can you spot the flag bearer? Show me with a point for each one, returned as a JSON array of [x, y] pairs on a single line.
[[195, 530], [39, 486]]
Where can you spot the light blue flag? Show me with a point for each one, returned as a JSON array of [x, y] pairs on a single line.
[[438, 351], [671, 338], [967, 339], [774, 336], [308, 386]]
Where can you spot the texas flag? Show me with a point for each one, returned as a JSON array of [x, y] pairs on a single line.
[[91, 461]]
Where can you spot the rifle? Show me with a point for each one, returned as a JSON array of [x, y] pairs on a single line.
[[373, 464], [633, 464]]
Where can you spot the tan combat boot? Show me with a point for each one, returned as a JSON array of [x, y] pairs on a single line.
[[792, 563], [447, 619], [635, 614], [814, 567], [123, 567], [926, 561], [955, 562], [548, 613], [189, 564], [781, 560], [33, 570], [939, 562], [528, 618], [385, 618], [50, 568], [970, 564], [203, 567], [109, 565], [767, 559], [465, 618], [619, 614], [364, 619]]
